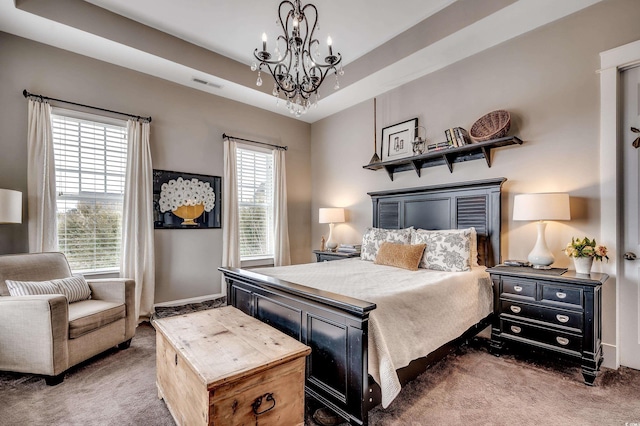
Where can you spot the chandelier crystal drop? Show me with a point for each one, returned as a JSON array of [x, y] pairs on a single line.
[[297, 72]]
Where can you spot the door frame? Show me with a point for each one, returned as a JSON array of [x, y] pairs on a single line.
[[612, 63]]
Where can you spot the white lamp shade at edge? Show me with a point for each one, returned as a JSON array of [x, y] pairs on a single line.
[[544, 206], [10, 206], [331, 215]]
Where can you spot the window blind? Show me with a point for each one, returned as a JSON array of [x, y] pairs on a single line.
[[90, 159], [255, 203]]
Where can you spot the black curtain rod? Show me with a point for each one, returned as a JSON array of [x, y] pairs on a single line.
[[284, 148], [43, 98]]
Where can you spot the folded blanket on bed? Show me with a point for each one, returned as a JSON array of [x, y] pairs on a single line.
[[417, 311]]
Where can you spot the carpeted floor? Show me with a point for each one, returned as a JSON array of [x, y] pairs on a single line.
[[469, 387]]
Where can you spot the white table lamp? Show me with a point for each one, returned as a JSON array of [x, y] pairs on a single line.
[[10, 206], [331, 216], [541, 207]]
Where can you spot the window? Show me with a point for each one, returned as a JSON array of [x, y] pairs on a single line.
[[255, 203], [90, 158]]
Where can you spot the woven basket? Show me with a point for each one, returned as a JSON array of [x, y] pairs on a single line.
[[493, 125]]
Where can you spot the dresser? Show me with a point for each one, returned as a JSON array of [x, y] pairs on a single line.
[[222, 367], [554, 310], [327, 256]]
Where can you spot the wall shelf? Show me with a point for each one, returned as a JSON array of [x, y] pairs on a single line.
[[448, 156]]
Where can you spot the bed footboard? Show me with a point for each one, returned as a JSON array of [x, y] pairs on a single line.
[[334, 326]]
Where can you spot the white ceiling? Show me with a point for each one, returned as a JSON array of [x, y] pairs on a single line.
[[233, 28]]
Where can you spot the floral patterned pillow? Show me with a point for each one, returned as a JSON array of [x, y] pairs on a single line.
[[374, 237], [447, 250]]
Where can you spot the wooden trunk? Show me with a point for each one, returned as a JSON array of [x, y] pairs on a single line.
[[222, 367]]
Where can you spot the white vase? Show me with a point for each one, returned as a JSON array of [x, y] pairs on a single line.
[[583, 264]]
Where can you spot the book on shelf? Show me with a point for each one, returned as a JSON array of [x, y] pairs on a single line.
[[462, 135], [457, 137], [438, 146], [454, 137], [449, 137]]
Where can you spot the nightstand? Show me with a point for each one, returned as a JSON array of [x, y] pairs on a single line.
[[327, 256], [553, 310]]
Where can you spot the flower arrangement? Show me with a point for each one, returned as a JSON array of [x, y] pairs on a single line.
[[186, 192], [586, 248]]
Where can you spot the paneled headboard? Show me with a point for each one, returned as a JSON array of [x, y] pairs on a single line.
[[450, 206]]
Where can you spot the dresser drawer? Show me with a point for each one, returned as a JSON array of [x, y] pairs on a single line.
[[536, 334], [520, 288], [565, 318], [561, 294]]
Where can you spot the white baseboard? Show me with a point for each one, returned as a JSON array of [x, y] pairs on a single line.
[[187, 301], [610, 356]]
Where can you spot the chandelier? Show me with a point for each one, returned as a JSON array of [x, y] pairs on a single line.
[[296, 68]]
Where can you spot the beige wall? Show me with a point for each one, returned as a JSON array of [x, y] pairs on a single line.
[[186, 136], [547, 79]]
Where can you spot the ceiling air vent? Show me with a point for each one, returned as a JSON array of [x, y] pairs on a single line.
[[206, 83]]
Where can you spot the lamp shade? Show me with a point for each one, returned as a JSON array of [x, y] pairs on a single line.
[[10, 206], [545, 206], [331, 215]]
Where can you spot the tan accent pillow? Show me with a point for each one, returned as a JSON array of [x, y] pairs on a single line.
[[406, 256]]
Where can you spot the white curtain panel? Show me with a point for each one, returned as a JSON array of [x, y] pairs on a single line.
[[281, 226], [230, 215], [41, 179], [138, 259]]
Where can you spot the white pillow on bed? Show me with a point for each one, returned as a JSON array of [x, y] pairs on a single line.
[[374, 237], [447, 250]]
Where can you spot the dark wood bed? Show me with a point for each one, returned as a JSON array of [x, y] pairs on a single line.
[[336, 326]]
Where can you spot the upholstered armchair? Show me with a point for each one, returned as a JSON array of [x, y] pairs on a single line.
[[46, 335]]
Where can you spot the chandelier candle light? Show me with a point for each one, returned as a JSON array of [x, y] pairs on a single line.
[[297, 75]]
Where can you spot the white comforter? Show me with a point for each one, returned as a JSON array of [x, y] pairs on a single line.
[[417, 312]]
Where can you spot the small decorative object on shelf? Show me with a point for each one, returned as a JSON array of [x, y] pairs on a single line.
[[419, 141], [584, 251], [493, 125], [322, 243]]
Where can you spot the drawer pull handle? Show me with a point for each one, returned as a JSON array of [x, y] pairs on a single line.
[[561, 295], [515, 309], [562, 318], [258, 402], [517, 288], [516, 329], [562, 340]]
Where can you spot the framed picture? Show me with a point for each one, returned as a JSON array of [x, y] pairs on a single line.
[[397, 139], [186, 200]]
